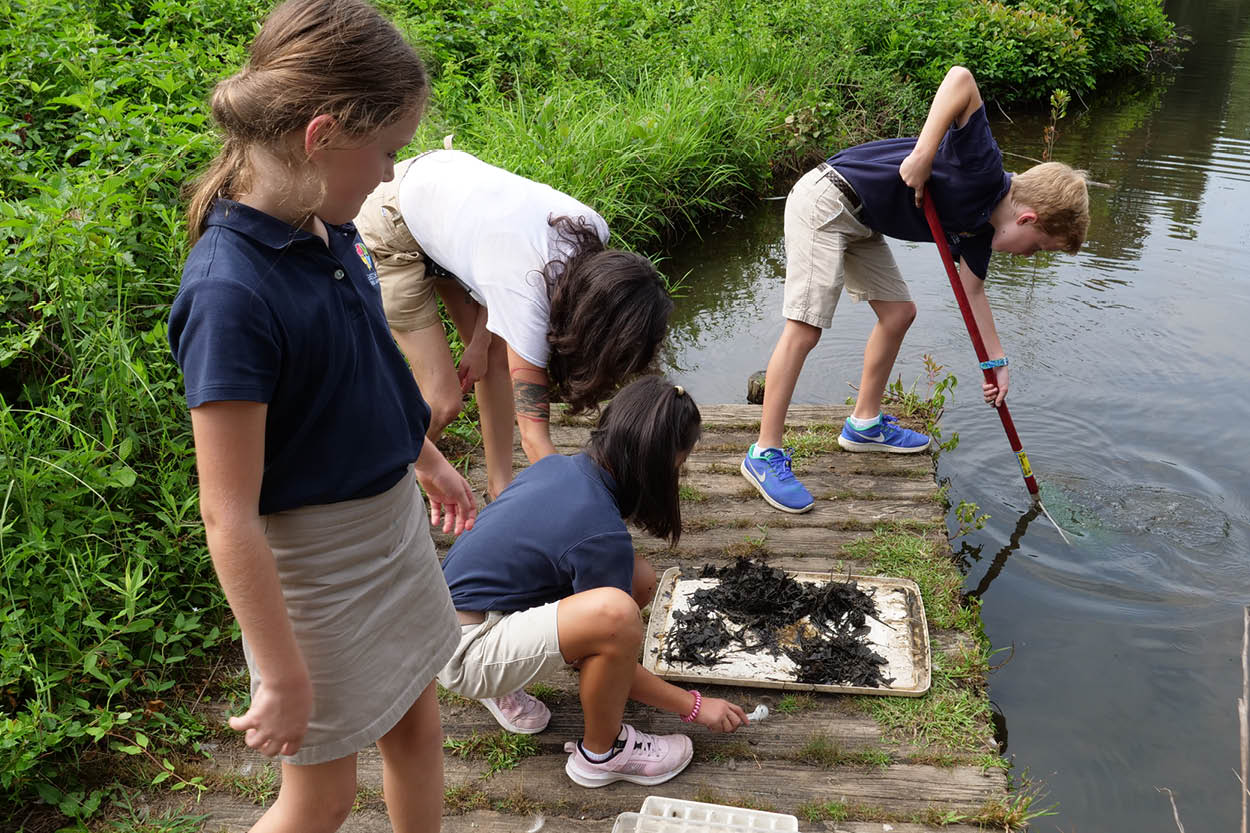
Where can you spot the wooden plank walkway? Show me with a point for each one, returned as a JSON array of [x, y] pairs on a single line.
[[845, 763]]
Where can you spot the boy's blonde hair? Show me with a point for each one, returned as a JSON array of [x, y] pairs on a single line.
[[311, 57], [1060, 197]]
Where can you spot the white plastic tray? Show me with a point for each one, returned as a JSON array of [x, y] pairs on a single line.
[[674, 815], [901, 638]]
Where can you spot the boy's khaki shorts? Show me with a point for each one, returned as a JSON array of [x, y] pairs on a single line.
[[506, 652], [828, 248], [407, 285]]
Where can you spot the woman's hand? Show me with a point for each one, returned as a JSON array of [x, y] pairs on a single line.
[[277, 720], [474, 362], [720, 715], [995, 392]]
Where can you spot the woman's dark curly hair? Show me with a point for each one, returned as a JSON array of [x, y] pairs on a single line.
[[642, 434], [609, 313]]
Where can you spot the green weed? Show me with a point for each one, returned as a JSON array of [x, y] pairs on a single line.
[[954, 715], [795, 703], [969, 520], [463, 799], [544, 691], [259, 788], [501, 750], [897, 552], [690, 494]]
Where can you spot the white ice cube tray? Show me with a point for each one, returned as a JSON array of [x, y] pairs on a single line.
[[674, 815]]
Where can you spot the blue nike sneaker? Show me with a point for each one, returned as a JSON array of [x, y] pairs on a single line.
[[886, 435], [771, 475]]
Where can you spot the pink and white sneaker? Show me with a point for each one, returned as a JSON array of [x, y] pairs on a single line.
[[519, 712], [640, 759]]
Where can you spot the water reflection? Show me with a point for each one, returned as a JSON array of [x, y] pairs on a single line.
[[1128, 390]]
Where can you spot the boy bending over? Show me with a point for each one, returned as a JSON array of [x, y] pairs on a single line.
[[837, 218]]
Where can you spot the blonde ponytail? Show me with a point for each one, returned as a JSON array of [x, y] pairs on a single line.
[[310, 58]]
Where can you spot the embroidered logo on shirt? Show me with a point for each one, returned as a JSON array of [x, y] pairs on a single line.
[[367, 259]]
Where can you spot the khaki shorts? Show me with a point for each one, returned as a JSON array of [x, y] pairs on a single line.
[[827, 248], [506, 652], [407, 285]]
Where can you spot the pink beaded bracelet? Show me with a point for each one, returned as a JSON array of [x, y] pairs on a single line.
[[694, 712]]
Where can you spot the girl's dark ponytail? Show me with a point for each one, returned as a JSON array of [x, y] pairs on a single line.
[[642, 434]]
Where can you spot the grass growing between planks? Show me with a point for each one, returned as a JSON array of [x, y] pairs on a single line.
[[500, 750]]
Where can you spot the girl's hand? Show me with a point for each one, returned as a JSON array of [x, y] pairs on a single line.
[[450, 495], [277, 720], [995, 392], [473, 362], [720, 715]]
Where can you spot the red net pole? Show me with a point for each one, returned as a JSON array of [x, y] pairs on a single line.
[[974, 332]]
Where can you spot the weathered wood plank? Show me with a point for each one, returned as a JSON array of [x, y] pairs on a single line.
[[919, 466], [788, 547], [837, 512], [824, 485], [735, 416], [778, 785], [233, 814]]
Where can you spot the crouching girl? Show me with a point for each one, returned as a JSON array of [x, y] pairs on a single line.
[[548, 577]]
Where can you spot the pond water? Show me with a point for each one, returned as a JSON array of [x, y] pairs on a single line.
[[1130, 392]]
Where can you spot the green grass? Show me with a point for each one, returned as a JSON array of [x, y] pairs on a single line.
[[812, 440], [824, 752], [463, 799], [894, 551], [796, 703], [447, 697], [690, 494], [544, 691], [954, 715], [260, 788], [500, 750]]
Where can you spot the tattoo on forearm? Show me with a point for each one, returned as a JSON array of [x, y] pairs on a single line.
[[532, 401]]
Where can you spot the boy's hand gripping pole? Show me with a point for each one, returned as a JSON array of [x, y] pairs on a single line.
[[974, 332]]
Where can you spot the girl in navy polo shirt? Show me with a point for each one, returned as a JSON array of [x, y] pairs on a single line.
[[308, 424], [549, 577]]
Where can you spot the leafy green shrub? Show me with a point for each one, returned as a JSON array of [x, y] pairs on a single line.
[[1019, 49]]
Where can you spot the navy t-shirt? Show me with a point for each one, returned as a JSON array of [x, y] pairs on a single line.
[[968, 181], [555, 531], [267, 313]]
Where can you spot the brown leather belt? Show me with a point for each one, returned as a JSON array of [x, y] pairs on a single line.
[[470, 617], [839, 182]]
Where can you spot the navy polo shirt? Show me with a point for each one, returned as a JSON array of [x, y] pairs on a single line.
[[555, 531], [267, 313], [968, 181]]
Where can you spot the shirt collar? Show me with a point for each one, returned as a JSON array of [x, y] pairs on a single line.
[[264, 228]]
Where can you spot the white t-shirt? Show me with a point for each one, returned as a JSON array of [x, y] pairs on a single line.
[[489, 228]]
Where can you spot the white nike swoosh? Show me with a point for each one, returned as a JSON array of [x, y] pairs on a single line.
[[760, 477], [865, 437]]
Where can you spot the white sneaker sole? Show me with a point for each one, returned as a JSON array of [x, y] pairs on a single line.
[[851, 445], [612, 777], [508, 724], [759, 487]]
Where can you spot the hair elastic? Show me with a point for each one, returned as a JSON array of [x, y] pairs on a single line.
[[698, 704], [680, 390], [992, 363]]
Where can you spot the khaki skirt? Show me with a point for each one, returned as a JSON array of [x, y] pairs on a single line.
[[370, 609]]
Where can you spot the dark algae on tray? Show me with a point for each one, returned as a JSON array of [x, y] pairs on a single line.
[[822, 628]]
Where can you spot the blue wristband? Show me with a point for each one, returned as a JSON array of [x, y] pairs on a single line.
[[993, 363]]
